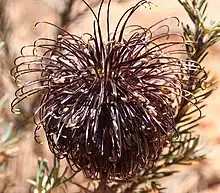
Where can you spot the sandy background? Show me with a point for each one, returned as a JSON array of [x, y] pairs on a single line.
[[23, 14]]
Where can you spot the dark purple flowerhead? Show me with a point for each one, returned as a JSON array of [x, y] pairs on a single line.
[[107, 106]]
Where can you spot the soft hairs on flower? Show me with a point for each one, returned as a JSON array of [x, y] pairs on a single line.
[[108, 106]]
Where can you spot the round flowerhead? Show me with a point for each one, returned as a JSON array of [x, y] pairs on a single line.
[[108, 106]]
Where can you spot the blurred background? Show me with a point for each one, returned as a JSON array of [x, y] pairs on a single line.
[[18, 158]]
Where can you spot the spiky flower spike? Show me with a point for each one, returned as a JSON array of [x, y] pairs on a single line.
[[108, 106]]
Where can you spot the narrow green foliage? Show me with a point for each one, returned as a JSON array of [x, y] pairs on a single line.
[[47, 179], [203, 35]]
